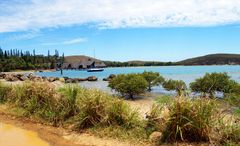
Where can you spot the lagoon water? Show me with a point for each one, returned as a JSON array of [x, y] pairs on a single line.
[[185, 73]]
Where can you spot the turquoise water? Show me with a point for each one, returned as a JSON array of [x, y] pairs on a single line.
[[185, 73]]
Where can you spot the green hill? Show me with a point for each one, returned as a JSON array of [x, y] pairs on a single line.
[[212, 59]]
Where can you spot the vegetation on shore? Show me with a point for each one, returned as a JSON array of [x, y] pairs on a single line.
[[174, 119], [19, 60]]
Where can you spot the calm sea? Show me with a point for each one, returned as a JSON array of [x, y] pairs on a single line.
[[185, 73]]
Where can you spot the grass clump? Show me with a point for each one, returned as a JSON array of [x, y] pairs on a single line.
[[38, 99], [189, 120], [98, 108], [92, 104], [4, 90], [229, 130], [67, 103]]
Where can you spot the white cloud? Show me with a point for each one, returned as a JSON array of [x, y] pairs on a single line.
[[37, 14], [67, 42]]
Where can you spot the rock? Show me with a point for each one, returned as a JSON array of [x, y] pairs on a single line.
[[105, 79], [111, 76], [44, 78], [11, 78], [68, 80], [92, 78], [82, 79], [2, 75], [62, 80], [75, 80], [30, 76], [23, 78], [51, 79], [155, 136]]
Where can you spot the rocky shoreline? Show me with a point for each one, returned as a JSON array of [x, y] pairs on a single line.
[[13, 77]]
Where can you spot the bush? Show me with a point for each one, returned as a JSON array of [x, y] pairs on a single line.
[[37, 99], [213, 82], [229, 130], [152, 78], [67, 103], [190, 120], [178, 85], [92, 104], [98, 108], [4, 90], [129, 84], [233, 99], [119, 113]]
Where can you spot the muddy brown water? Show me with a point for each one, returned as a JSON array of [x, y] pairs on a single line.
[[14, 136]]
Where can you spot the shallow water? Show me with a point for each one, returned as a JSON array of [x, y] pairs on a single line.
[[14, 136], [185, 73]]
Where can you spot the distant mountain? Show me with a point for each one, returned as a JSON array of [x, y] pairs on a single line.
[[213, 59], [79, 58]]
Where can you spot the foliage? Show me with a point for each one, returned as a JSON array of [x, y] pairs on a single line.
[[233, 99], [98, 108], [4, 90], [164, 100], [67, 102], [229, 130], [17, 59], [190, 120], [120, 114], [152, 78], [128, 84], [177, 85], [36, 98], [213, 82], [92, 104]]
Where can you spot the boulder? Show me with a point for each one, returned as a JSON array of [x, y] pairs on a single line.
[[2, 75], [111, 76], [82, 79], [105, 79], [51, 79], [44, 78], [68, 80], [11, 78], [23, 78], [30, 76], [62, 80], [155, 137], [92, 78]]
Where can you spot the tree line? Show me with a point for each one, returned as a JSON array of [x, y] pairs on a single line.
[[15, 59]]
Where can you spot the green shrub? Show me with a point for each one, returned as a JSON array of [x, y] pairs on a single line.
[[178, 85], [190, 120], [164, 100], [233, 99], [152, 78], [38, 99], [4, 90], [100, 109], [213, 82], [119, 113], [129, 84], [154, 120], [228, 128], [67, 103], [92, 104]]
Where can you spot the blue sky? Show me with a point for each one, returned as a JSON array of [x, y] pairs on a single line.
[[122, 30]]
